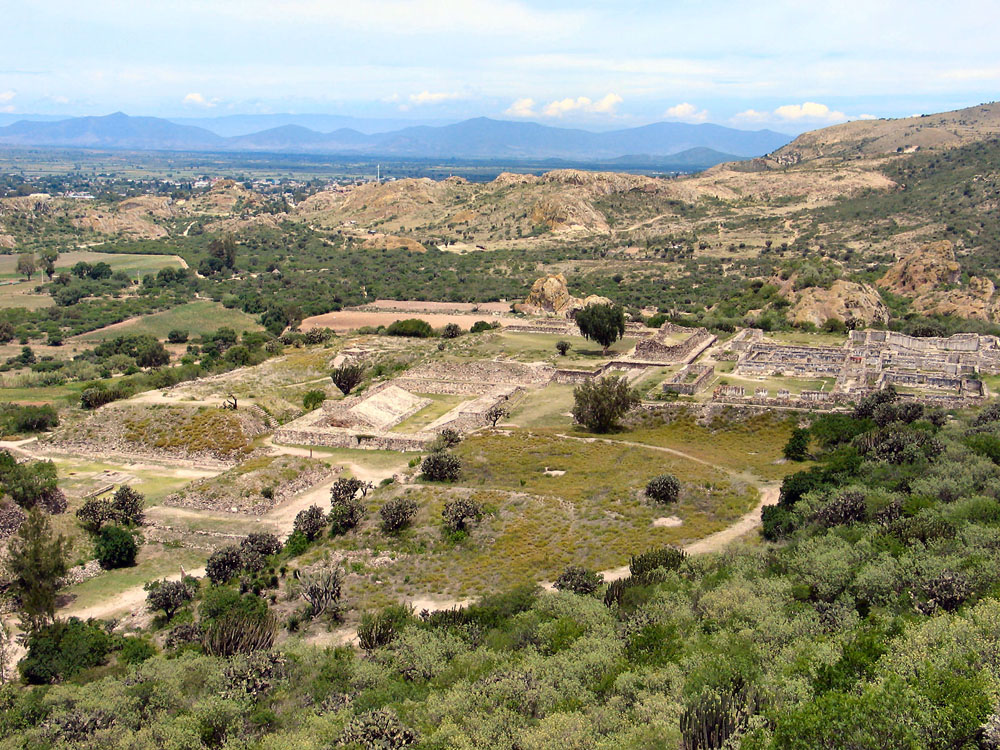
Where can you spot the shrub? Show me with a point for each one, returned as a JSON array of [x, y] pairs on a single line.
[[777, 522], [797, 447], [495, 413], [579, 580], [669, 558], [261, 543], [63, 649], [224, 564], [310, 522], [136, 650], [94, 513], [375, 631], [168, 596], [441, 467], [240, 632], [446, 439], [347, 376], [412, 327], [397, 513], [377, 729], [313, 399], [460, 512], [598, 404], [451, 331], [177, 336], [127, 506], [563, 347], [665, 488], [116, 548], [30, 418], [320, 586], [346, 512], [479, 326], [847, 509]]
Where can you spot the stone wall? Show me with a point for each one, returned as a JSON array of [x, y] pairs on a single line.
[[690, 379], [655, 350]]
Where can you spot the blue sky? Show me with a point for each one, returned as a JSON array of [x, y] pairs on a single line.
[[791, 65]]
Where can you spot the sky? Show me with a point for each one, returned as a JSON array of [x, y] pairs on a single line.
[[788, 65]]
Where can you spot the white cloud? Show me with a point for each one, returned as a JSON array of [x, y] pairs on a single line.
[[603, 106], [432, 97], [198, 100], [6, 96], [808, 111], [867, 117], [522, 108], [686, 112], [752, 115]]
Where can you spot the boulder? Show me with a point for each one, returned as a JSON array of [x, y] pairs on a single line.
[[550, 295], [923, 270], [845, 301]]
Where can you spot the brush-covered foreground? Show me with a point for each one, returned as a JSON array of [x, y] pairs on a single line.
[[870, 621]]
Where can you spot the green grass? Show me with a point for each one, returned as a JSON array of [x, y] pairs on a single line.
[[536, 347], [440, 405], [545, 407], [154, 561], [198, 318], [23, 295], [595, 515], [745, 446], [53, 394], [130, 263], [806, 339]]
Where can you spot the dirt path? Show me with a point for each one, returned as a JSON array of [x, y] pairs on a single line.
[[128, 600]]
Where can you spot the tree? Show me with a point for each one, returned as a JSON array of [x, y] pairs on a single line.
[[320, 586], [168, 596], [598, 404], [128, 506], [797, 447], [261, 544], [665, 488], [224, 250], [460, 512], [26, 265], [177, 336], [579, 580], [94, 513], [441, 467], [495, 413], [49, 258], [603, 323], [451, 331], [36, 561], [116, 548], [562, 347], [346, 508], [347, 376], [310, 522], [313, 399], [224, 564], [397, 513]]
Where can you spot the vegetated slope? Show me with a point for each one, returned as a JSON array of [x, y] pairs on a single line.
[[870, 620], [868, 138]]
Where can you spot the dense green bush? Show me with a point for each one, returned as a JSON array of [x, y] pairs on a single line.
[[412, 327], [115, 548], [397, 513], [579, 580], [62, 650], [665, 488], [441, 466]]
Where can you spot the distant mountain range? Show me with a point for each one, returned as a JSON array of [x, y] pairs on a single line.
[[479, 138]]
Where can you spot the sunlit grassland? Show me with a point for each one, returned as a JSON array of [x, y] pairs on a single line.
[[197, 318]]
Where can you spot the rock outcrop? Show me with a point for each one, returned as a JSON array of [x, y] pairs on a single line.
[[845, 301], [550, 295], [923, 270]]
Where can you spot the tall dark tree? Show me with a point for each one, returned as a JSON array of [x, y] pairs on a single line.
[[36, 562], [225, 250], [603, 323]]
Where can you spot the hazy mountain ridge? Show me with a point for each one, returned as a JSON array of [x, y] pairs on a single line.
[[479, 138]]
